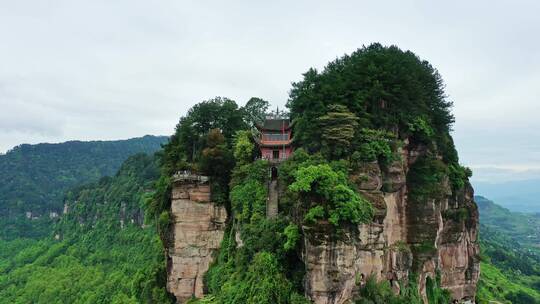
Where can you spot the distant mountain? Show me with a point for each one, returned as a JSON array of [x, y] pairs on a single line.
[[510, 269], [521, 227], [34, 178], [519, 195]]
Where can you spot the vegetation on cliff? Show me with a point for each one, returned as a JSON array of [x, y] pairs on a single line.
[[382, 88], [202, 143], [380, 99], [264, 268]]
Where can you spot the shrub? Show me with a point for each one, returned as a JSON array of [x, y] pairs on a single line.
[[458, 175], [425, 247], [425, 179], [458, 215], [421, 128], [381, 293], [313, 214], [374, 145], [243, 147], [328, 195], [247, 199], [263, 283], [349, 206], [298, 299], [435, 294], [164, 220], [293, 235]]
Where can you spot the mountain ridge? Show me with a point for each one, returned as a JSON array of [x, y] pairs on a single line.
[[34, 178]]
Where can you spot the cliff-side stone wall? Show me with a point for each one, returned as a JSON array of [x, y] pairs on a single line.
[[337, 265], [196, 233]]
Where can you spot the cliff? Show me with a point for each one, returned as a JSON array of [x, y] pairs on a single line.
[[373, 205], [422, 237], [196, 232], [411, 241]]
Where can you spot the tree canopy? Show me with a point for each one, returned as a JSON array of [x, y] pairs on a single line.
[[385, 87], [255, 110], [220, 113]]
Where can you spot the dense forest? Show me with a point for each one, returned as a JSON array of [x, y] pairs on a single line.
[[34, 178], [101, 253]]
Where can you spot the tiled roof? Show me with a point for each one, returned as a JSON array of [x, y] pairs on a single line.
[[275, 124]]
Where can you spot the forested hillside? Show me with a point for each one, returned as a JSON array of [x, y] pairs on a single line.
[[101, 254], [523, 228], [34, 178], [510, 259]]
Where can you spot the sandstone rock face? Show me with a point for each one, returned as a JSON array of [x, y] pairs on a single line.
[[197, 229], [368, 177], [393, 246], [337, 265], [458, 250]]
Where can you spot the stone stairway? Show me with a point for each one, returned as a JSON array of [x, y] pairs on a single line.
[[272, 203]]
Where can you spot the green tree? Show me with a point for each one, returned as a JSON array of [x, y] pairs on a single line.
[[323, 188], [192, 147], [338, 126], [217, 162], [186, 145], [255, 110], [293, 236], [263, 283], [385, 87], [243, 147]]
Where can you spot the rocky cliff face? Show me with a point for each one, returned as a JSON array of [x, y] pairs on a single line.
[[408, 241], [426, 238], [196, 232]]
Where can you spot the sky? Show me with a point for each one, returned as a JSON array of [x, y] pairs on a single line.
[[106, 69]]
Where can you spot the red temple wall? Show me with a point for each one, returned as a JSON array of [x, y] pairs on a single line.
[[268, 153]]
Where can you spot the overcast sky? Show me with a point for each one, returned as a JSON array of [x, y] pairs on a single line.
[[124, 68]]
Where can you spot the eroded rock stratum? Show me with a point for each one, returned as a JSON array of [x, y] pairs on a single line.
[[196, 233], [425, 238]]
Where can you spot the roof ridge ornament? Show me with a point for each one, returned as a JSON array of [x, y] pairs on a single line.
[[277, 114]]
